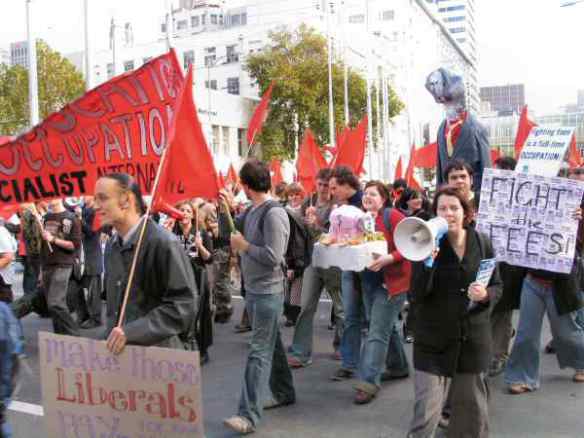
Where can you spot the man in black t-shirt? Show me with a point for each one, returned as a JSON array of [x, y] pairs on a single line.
[[62, 240]]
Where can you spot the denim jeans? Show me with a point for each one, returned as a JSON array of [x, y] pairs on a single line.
[[313, 282], [580, 315], [10, 347], [568, 336], [354, 320], [267, 366], [382, 313]]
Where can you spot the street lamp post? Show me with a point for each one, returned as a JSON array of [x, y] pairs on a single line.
[[33, 87]]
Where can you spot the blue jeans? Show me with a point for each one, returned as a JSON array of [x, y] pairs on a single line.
[[356, 314], [580, 315], [10, 346], [267, 367], [383, 313], [568, 336]]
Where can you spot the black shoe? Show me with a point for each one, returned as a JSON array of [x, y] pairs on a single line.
[[204, 359], [241, 328], [549, 348], [388, 376], [289, 323], [342, 374], [89, 324], [222, 319], [272, 403]]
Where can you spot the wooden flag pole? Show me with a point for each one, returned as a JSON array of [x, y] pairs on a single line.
[[40, 224], [141, 239]]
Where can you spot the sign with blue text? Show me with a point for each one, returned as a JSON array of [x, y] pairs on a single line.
[[544, 150]]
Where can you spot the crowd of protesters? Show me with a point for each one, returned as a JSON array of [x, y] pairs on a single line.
[[257, 240]]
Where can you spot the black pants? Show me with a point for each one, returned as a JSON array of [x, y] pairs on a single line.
[[56, 284], [90, 308], [30, 276]]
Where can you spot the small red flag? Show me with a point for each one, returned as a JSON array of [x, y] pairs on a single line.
[[276, 172], [523, 130], [351, 152], [574, 156], [495, 154], [427, 156], [232, 177], [310, 161], [259, 116], [399, 169], [409, 176], [188, 170]]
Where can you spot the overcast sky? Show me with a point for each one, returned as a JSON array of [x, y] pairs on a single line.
[[535, 42]]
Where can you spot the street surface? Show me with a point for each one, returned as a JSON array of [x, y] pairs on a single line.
[[325, 409]]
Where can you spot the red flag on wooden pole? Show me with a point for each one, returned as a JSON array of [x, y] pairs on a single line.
[[259, 116], [523, 130], [188, 168], [399, 169], [409, 176], [232, 177], [310, 161], [276, 172]]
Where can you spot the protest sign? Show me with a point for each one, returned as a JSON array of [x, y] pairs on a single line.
[[145, 392], [120, 126], [544, 150], [530, 218]]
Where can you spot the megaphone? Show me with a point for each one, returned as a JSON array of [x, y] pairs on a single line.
[[416, 239]]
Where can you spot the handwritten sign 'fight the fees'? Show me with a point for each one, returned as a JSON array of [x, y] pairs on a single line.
[[146, 392], [529, 218]]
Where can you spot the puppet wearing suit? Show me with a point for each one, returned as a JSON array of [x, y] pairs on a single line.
[[460, 136]]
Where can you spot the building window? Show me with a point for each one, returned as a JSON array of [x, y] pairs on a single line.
[[241, 143], [231, 54], [457, 29], [163, 27], [357, 19], [203, 19], [181, 25], [226, 140], [110, 70], [238, 19], [210, 50], [388, 15], [128, 65], [461, 40], [453, 8], [233, 85], [221, 19], [212, 84], [210, 60], [244, 19], [215, 139], [146, 59], [195, 21], [188, 58], [213, 19], [454, 19]]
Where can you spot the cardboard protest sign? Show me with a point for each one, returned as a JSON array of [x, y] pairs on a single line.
[[544, 150], [120, 126], [529, 218], [143, 392]]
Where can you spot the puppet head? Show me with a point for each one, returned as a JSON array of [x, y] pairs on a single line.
[[448, 89]]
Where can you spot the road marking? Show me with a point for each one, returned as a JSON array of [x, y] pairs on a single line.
[[26, 408]]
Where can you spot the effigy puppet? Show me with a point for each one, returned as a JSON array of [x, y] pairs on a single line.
[[460, 135]]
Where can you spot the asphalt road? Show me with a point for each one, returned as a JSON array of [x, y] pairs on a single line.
[[324, 409]]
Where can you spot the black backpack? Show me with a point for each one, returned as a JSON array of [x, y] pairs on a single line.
[[298, 252]]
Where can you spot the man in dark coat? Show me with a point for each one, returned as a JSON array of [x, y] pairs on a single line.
[[460, 136], [162, 303]]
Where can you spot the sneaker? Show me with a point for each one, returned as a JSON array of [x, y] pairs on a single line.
[[342, 374], [272, 403], [444, 422], [549, 348], [294, 362], [519, 388], [239, 424], [241, 328], [497, 366], [579, 376]]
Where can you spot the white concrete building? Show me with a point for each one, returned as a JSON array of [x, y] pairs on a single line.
[[400, 44], [19, 53], [4, 56]]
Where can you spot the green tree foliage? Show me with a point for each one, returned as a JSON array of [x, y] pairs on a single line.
[[59, 83], [297, 63]]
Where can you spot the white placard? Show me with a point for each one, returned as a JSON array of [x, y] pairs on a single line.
[[544, 150], [529, 218]]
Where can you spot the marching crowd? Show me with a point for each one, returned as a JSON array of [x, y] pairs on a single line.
[[258, 240]]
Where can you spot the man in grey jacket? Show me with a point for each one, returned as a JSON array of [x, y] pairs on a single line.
[[262, 240], [161, 306]]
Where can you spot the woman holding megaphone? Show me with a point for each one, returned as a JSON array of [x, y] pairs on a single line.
[[452, 335]]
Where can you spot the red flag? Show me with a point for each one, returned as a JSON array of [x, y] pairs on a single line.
[[221, 181], [188, 169], [574, 156], [121, 126], [232, 177], [495, 154], [399, 169], [259, 116], [5, 139], [427, 156], [409, 176], [7, 211], [276, 171], [351, 152], [523, 130], [310, 161]]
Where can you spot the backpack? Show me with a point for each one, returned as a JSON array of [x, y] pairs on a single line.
[[298, 253], [387, 219]]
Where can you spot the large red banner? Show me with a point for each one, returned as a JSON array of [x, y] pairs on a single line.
[[120, 126]]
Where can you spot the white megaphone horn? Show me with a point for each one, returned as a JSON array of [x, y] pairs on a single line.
[[416, 239]]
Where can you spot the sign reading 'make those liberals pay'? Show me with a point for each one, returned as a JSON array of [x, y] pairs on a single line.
[[544, 150], [529, 218], [145, 392]]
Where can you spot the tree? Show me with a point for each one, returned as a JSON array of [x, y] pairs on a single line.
[[297, 63], [59, 83]]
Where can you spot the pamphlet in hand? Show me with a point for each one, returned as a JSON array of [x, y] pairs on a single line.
[[484, 274]]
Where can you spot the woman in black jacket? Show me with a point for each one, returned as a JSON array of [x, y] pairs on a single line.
[[452, 343], [198, 244]]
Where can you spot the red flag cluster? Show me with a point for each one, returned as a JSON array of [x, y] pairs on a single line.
[[351, 152], [310, 161]]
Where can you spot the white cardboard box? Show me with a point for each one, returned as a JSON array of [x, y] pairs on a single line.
[[347, 257]]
